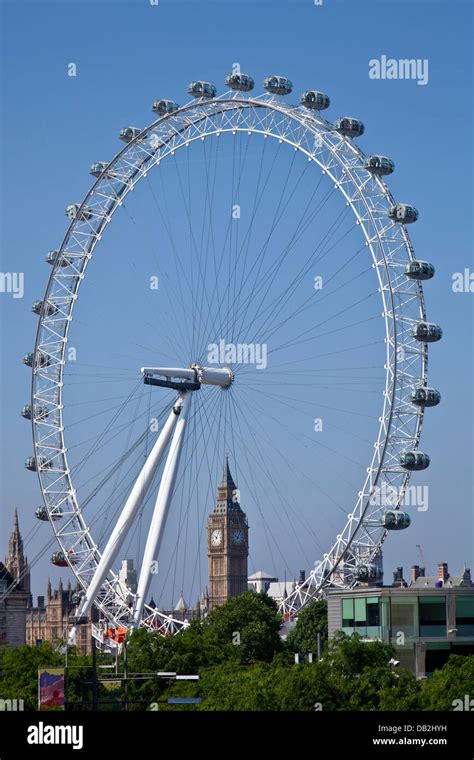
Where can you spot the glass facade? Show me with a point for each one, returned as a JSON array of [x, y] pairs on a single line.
[[411, 615], [404, 616], [465, 615], [361, 615], [433, 616]]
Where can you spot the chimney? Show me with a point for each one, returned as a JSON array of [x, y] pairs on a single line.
[[41, 602], [443, 574], [415, 573], [422, 572], [302, 576], [398, 577]]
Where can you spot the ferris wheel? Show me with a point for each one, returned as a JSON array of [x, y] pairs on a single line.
[[260, 295]]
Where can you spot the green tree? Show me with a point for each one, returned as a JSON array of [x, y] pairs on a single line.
[[19, 671], [312, 620], [234, 687], [353, 675], [454, 681], [245, 628]]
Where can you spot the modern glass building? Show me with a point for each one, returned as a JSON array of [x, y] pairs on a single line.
[[427, 620]]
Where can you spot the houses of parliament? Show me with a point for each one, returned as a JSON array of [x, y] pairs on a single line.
[[23, 623]]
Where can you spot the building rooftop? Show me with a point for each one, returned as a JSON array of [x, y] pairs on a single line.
[[280, 589], [261, 575], [180, 605], [419, 580]]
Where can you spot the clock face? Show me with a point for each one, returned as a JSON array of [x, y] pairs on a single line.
[[216, 537], [238, 537]]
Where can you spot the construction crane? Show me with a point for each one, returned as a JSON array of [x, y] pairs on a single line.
[[423, 560]]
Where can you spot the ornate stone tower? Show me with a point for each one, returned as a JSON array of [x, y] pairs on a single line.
[[15, 597], [15, 562], [227, 543]]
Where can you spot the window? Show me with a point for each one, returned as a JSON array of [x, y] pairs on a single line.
[[465, 615], [432, 615], [404, 616], [348, 613], [360, 612], [373, 613], [362, 615]]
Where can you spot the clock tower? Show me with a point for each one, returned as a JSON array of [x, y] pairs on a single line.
[[227, 543]]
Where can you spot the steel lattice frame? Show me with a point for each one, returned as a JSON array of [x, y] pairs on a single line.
[[403, 306]]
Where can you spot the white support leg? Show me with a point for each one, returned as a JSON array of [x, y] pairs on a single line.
[[160, 513], [128, 514]]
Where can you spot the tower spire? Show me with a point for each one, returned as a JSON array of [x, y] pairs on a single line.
[[227, 478], [227, 492], [15, 562]]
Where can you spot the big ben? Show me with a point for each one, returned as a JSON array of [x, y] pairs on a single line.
[[227, 543]]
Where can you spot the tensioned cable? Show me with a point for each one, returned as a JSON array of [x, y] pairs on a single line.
[[279, 303], [266, 415], [243, 308], [301, 474], [279, 497], [216, 279], [218, 313], [272, 271], [254, 491]]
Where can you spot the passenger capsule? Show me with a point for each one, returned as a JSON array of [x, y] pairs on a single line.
[[425, 397], [98, 168], [368, 572], [316, 101], [74, 211], [202, 90], [42, 360], [427, 332], [63, 560], [40, 411], [414, 460], [35, 463], [42, 514], [278, 85], [52, 258], [49, 309], [379, 165], [349, 127], [419, 270], [240, 82], [162, 107], [127, 134], [394, 519], [403, 213]]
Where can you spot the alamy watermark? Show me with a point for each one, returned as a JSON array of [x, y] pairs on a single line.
[[56, 734], [12, 705], [237, 353], [401, 68], [466, 704], [389, 496], [12, 282], [463, 282]]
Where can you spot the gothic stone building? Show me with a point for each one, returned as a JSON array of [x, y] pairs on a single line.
[[15, 596], [52, 621]]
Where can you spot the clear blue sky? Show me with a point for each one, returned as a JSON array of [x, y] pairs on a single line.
[[128, 54]]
